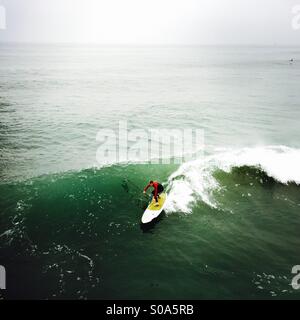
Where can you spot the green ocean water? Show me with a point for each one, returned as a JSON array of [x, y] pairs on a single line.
[[70, 228]]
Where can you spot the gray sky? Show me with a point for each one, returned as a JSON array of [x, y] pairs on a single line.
[[261, 22]]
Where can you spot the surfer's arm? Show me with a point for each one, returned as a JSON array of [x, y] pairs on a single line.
[[147, 187]]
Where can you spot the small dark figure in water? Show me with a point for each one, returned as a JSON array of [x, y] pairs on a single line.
[[291, 61], [125, 185]]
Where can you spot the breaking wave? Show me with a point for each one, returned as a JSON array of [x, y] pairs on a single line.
[[195, 180]]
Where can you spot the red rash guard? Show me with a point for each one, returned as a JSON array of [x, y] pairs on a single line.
[[155, 186]]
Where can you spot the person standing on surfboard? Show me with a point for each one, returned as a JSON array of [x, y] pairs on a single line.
[[158, 188]]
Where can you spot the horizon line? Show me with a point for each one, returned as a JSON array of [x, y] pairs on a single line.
[[150, 44]]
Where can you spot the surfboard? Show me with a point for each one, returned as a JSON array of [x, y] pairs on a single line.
[[153, 211]]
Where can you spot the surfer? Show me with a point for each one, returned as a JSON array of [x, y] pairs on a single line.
[[158, 188]]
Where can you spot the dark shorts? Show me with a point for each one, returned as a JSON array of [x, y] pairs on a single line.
[[160, 189]]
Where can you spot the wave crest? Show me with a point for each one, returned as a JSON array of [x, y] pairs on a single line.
[[194, 180]]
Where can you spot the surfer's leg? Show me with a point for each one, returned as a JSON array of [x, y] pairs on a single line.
[[153, 192], [160, 190], [153, 196]]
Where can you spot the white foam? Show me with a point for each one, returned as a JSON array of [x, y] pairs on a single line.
[[194, 180]]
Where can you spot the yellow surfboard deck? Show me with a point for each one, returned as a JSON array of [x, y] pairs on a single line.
[[161, 202], [154, 211]]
